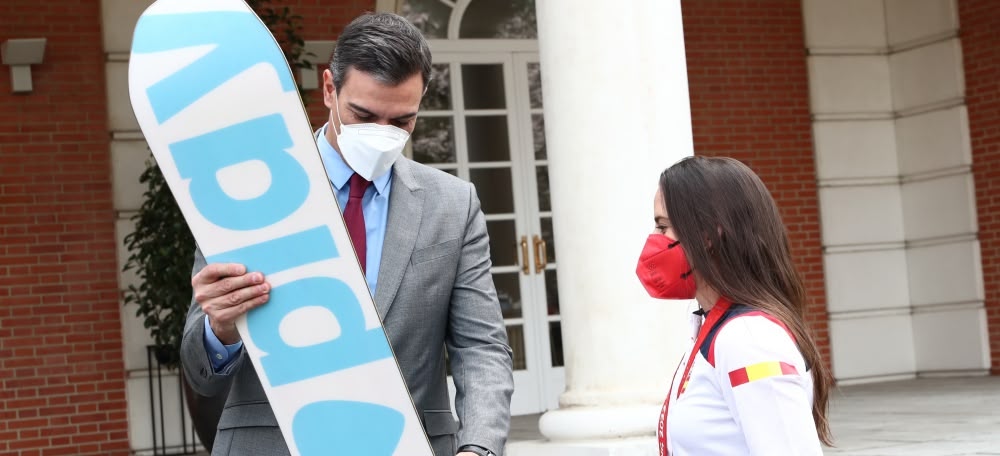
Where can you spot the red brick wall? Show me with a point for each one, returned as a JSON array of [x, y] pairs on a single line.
[[61, 367], [750, 100], [980, 35]]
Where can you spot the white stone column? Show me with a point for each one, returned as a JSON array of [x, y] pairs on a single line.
[[616, 115]]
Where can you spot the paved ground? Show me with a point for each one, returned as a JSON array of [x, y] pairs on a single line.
[[927, 417], [940, 417]]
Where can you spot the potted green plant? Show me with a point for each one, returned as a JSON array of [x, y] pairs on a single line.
[[161, 248]]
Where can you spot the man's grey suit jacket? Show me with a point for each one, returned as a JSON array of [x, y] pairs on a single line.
[[435, 293]]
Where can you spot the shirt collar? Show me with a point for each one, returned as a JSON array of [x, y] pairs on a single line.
[[337, 170]]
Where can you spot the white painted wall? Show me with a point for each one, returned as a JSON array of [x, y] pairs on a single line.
[[897, 202]]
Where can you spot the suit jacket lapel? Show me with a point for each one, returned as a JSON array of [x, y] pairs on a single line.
[[406, 201]]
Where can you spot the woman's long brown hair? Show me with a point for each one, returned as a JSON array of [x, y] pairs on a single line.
[[735, 240]]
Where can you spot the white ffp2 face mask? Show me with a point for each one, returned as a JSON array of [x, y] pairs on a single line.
[[370, 149]]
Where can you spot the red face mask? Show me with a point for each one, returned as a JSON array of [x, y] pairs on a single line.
[[664, 270]]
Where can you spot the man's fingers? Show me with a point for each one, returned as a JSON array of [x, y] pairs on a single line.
[[248, 293], [244, 287], [228, 315], [204, 292], [255, 302], [214, 272], [219, 306], [225, 291]]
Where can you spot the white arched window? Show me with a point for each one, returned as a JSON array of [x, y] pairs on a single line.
[[471, 19]]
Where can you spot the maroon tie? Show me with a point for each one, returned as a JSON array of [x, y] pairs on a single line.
[[354, 217]]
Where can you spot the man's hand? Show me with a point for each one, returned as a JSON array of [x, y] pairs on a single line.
[[226, 291]]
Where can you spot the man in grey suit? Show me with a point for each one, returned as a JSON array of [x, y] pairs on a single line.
[[421, 237]]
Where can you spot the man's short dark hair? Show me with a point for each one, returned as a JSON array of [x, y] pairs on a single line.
[[384, 45]]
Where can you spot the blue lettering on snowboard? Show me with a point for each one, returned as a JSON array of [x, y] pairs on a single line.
[[356, 428], [233, 53], [261, 257], [321, 427], [286, 364], [265, 139]]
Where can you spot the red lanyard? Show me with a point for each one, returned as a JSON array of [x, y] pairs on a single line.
[[713, 317]]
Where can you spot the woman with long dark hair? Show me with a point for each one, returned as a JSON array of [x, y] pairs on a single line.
[[753, 382]]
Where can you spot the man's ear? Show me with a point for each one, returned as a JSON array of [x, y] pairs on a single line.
[[329, 91]]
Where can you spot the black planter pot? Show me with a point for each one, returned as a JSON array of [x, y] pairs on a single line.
[[166, 355]]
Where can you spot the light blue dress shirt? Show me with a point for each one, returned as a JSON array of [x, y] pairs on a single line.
[[375, 206]]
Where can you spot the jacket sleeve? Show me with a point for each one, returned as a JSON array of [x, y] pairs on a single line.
[[481, 359], [198, 367], [764, 380]]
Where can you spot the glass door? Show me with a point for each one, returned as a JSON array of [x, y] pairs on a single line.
[[481, 121], [538, 210]]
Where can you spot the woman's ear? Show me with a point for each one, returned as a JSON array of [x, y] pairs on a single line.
[[708, 239]]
